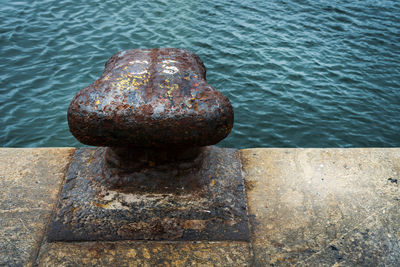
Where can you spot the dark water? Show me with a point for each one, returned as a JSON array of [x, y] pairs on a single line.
[[299, 73]]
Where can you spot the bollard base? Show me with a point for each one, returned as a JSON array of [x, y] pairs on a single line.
[[204, 203], [138, 170]]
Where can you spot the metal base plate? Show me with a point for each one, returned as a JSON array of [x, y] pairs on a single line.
[[212, 208]]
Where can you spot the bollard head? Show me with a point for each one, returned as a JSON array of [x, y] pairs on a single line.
[[151, 98]]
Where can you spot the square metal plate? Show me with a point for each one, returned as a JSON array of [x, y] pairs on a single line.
[[212, 208]]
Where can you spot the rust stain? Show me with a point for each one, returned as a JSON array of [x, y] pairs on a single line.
[[195, 224]]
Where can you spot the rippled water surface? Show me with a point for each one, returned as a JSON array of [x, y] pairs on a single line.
[[298, 73]]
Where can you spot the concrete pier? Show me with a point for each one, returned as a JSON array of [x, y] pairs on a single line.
[[306, 207]]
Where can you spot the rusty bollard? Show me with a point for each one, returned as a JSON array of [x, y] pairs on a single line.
[[154, 174], [152, 108]]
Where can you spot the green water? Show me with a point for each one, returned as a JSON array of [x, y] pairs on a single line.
[[298, 73]]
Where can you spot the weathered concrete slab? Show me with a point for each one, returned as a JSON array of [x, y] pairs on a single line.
[[324, 207], [147, 253], [30, 180], [308, 207]]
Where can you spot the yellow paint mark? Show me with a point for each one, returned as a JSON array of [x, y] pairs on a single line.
[[131, 253], [129, 81], [97, 102], [212, 183], [100, 205], [171, 88], [146, 253]]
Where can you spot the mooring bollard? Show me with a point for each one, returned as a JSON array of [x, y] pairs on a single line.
[[151, 107], [154, 175]]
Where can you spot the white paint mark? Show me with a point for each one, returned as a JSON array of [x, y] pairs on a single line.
[[168, 68]]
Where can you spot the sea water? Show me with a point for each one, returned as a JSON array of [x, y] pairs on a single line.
[[298, 73]]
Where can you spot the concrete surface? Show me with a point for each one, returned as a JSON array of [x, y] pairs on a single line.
[[145, 253], [30, 180], [332, 207], [307, 207]]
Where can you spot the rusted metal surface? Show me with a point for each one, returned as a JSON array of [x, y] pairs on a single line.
[[206, 202], [128, 169], [156, 179], [151, 98]]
